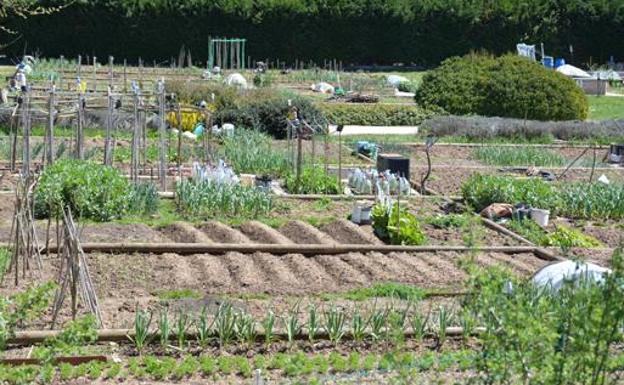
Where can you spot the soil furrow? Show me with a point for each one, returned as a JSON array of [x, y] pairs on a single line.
[[304, 233], [261, 233], [365, 264], [245, 274], [309, 272], [221, 233], [343, 272], [279, 272], [345, 231], [184, 233], [216, 277], [445, 264]]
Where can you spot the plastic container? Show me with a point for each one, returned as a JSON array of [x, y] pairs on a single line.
[[548, 62], [559, 62], [361, 213], [356, 214], [540, 216]]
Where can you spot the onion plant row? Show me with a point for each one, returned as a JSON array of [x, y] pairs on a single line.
[[519, 156], [579, 200], [207, 199], [230, 326], [249, 151]]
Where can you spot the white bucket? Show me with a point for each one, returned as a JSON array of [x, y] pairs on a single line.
[[365, 214], [540, 216]]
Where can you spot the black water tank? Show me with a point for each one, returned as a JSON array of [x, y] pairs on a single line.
[[617, 149], [396, 163]]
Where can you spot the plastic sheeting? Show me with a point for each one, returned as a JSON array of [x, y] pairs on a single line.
[[554, 275], [572, 71], [322, 87], [236, 80], [395, 80]]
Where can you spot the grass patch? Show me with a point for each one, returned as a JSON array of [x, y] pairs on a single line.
[[169, 295], [449, 221], [519, 156], [606, 107], [386, 290]]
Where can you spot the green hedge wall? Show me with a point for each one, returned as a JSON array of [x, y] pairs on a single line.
[[382, 32], [376, 114]]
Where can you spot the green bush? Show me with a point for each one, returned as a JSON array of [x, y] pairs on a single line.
[[376, 114], [480, 191], [90, 190], [312, 181], [507, 86], [397, 226], [267, 110], [192, 92]]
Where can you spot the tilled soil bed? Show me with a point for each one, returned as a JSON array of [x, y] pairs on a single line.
[[123, 281]]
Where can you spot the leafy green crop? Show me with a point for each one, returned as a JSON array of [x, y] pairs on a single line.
[[572, 200], [90, 190], [562, 236], [313, 180], [397, 226]]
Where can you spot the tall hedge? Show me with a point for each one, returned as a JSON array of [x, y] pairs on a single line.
[[507, 86], [420, 31]]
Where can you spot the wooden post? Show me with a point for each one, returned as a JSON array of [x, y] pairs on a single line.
[[79, 151], [13, 132], [25, 115], [339, 156], [94, 74], [125, 76], [134, 166], [49, 146], [110, 71], [179, 157], [299, 155], [162, 164], [109, 126]]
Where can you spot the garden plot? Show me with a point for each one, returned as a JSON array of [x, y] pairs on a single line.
[[447, 180], [122, 281]]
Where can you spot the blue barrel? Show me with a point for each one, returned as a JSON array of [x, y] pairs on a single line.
[[559, 62], [547, 61]]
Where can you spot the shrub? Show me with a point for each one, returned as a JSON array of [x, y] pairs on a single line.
[[397, 226], [483, 128], [193, 92], [479, 191], [543, 336], [376, 114], [90, 190], [266, 110], [313, 180], [508, 86]]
